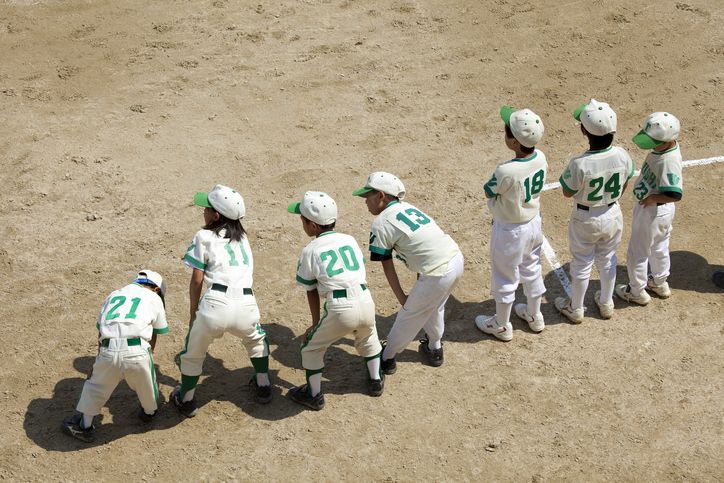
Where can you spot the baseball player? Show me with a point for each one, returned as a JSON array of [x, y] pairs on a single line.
[[595, 180], [424, 248], [657, 189], [332, 266], [127, 324], [220, 255], [513, 194]]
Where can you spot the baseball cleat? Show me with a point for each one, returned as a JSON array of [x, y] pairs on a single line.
[[663, 291], [563, 305], [387, 366], [301, 395], [489, 324], [187, 408], [375, 387], [73, 426], [262, 394], [606, 310], [146, 418], [434, 357], [718, 278], [536, 323], [624, 293]]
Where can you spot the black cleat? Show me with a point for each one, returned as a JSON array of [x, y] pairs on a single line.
[[387, 366], [300, 395], [187, 408], [146, 418], [262, 394], [434, 357], [375, 387], [72, 426]]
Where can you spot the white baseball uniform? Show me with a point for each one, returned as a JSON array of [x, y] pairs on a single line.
[[419, 242], [129, 318], [651, 226], [594, 233], [228, 305], [333, 264]]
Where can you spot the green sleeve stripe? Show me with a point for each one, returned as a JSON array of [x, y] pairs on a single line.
[[98, 326], [195, 263], [380, 251], [305, 281], [633, 171], [488, 192], [161, 331], [670, 189], [565, 186]]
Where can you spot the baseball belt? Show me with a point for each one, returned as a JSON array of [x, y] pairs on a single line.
[[130, 341], [223, 288], [586, 208], [342, 293]]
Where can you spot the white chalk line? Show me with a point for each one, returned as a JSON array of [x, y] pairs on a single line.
[[550, 254]]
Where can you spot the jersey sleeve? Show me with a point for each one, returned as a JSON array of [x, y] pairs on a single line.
[[670, 179], [160, 325], [571, 178], [306, 278], [382, 240], [498, 184], [196, 254], [491, 187], [630, 166]]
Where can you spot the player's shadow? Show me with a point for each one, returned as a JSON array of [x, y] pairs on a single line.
[[43, 417], [690, 271]]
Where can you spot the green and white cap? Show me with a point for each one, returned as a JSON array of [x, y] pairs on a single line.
[[597, 117], [224, 200], [659, 127], [526, 125], [385, 182], [317, 207], [149, 277]]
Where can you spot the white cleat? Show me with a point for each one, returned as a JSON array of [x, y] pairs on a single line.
[[536, 323], [563, 305], [606, 310], [489, 325], [662, 290], [624, 293]]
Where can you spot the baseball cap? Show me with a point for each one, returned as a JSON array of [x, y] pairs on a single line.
[[150, 277], [659, 127], [526, 125], [597, 117], [317, 207], [385, 182], [224, 200]]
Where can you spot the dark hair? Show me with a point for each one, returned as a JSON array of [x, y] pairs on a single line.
[[159, 293], [524, 149], [233, 230], [327, 227], [597, 143]]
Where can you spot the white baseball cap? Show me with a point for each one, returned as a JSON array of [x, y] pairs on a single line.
[[597, 117], [385, 182], [526, 125], [659, 127], [150, 277], [224, 200], [317, 207]]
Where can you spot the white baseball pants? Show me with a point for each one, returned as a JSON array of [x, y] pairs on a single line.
[[113, 364], [649, 245], [424, 309]]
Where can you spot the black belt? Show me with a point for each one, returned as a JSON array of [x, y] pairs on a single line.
[[342, 293], [129, 341], [587, 208], [223, 288]]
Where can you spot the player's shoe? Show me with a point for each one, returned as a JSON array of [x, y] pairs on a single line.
[[146, 418], [489, 324], [375, 387], [301, 395], [663, 291], [536, 323], [73, 426], [262, 394], [624, 293], [388, 366], [434, 357], [606, 310], [187, 408], [718, 278], [563, 305]]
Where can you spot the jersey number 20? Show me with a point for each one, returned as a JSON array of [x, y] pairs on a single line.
[[346, 253]]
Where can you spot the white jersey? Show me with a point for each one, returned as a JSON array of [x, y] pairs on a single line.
[[332, 261], [513, 191], [223, 261], [597, 177], [414, 237], [133, 311], [661, 173]]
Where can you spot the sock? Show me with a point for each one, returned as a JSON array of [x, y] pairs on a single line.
[[188, 385], [502, 312], [188, 396], [533, 307], [607, 285], [314, 382], [578, 292], [261, 364], [373, 366], [262, 379], [87, 421], [434, 345]]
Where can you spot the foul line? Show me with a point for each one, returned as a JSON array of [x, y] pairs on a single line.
[[550, 254]]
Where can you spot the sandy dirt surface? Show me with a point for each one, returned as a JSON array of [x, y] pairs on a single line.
[[114, 113]]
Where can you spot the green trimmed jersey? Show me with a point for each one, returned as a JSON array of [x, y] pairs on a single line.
[[132, 311], [332, 261], [223, 261], [414, 237], [661, 173], [513, 191], [597, 177]]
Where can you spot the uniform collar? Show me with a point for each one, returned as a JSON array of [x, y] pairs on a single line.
[[326, 233], [529, 158]]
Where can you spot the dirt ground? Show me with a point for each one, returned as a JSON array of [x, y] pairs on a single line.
[[115, 113]]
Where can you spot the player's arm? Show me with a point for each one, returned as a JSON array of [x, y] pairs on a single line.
[[388, 265], [568, 181], [195, 286], [666, 197], [153, 341], [313, 300]]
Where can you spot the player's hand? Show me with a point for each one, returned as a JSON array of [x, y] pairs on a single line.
[[646, 202], [403, 300]]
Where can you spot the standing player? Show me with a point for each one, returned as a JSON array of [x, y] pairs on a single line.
[[513, 196], [424, 248], [221, 256], [128, 324], [595, 180], [332, 266], [657, 188]]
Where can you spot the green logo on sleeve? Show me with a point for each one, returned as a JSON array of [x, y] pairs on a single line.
[[373, 237], [673, 179]]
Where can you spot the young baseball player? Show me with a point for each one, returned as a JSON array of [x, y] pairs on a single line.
[[657, 189], [332, 266], [595, 180], [513, 194], [424, 248], [220, 255], [128, 324]]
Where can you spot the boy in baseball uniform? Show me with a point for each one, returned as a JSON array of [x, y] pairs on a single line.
[[128, 324], [332, 267], [657, 189], [417, 241], [513, 194], [595, 180]]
